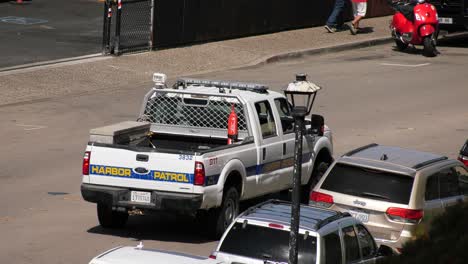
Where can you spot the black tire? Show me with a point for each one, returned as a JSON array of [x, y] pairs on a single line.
[[229, 210], [317, 174], [109, 218], [401, 46], [429, 47]]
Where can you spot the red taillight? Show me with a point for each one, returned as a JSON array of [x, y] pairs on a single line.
[[213, 255], [199, 173], [277, 226], [321, 197], [405, 215], [463, 159], [86, 159]]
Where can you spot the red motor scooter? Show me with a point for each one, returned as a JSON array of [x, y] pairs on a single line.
[[415, 24]]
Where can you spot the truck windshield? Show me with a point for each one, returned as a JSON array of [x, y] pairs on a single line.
[[267, 244], [355, 181]]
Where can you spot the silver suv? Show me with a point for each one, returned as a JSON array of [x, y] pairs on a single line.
[[394, 191], [261, 235]]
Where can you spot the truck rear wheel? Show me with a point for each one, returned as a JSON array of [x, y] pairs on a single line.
[[317, 174], [109, 218], [229, 210]]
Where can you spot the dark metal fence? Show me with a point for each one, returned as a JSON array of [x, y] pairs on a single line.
[[147, 24], [127, 26]]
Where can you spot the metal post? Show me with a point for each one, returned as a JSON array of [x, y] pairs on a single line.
[[151, 38], [117, 28], [299, 117], [107, 18]]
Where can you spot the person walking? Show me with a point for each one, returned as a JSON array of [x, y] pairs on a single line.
[[359, 12], [335, 20]]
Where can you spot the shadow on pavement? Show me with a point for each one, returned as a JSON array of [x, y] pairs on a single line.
[[171, 227]]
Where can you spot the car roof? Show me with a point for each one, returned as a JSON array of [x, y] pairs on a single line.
[[392, 158], [311, 218], [125, 255]]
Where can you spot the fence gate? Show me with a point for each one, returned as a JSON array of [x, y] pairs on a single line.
[[127, 26]]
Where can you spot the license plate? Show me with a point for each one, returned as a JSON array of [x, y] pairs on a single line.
[[141, 197], [445, 20], [363, 217]]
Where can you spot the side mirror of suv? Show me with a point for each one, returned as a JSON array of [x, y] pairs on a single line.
[[384, 251], [317, 125]]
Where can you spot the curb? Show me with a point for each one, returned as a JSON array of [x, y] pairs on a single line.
[[58, 62], [328, 49]]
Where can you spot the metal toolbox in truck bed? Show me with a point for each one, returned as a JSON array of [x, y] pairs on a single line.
[[119, 133]]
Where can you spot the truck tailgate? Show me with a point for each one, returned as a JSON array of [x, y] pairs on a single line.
[[141, 170]]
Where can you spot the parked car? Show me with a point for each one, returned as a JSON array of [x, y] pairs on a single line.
[[139, 255], [463, 157], [261, 235], [393, 191]]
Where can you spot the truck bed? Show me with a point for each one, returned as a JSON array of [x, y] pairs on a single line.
[[182, 143]]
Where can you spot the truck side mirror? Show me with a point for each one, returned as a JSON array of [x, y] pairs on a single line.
[[317, 125]]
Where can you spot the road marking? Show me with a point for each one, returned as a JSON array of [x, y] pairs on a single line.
[[404, 65], [30, 127]]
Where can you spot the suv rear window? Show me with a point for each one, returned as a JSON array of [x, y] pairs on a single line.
[[367, 183], [267, 244]]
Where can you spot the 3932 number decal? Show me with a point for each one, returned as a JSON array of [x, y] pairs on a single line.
[[185, 157]]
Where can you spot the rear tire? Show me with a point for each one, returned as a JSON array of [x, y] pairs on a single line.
[[229, 210], [401, 46], [429, 47], [109, 218], [317, 174]]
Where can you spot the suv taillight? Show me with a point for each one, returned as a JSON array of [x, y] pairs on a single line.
[[463, 159], [404, 215], [199, 173], [86, 159], [321, 199], [213, 255]]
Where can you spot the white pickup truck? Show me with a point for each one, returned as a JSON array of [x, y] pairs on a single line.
[[176, 156]]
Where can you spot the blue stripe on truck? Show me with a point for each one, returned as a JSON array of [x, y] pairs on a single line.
[[154, 175]]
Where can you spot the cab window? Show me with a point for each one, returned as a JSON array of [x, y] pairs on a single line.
[[332, 248], [284, 110], [462, 179], [351, 245], [448, 183], [432, 188], [366, 242], [266, 119]]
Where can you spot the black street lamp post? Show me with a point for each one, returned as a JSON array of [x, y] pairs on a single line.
[[301, 93]]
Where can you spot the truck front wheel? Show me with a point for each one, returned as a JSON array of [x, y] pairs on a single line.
[[109, 218], [317, 174], [228, 211]]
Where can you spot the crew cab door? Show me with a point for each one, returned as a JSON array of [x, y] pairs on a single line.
[[269, 151], [288, 138]]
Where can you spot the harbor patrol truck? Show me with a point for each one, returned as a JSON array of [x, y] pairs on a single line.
[[177, 156]]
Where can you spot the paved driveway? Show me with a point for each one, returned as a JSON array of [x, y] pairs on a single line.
[[48, 30]]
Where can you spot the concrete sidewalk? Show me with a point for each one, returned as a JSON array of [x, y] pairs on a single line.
[[110, 73]]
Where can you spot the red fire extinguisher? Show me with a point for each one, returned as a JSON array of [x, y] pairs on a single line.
[[232, 126]]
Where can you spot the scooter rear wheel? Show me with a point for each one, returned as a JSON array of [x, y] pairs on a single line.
[[400, 45], [429, 47]]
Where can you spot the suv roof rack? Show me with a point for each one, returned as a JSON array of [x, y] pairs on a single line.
[[427, 162], [319, 222], [244, 86], [354, 151]]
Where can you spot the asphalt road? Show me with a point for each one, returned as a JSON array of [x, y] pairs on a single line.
[[44, 30], [369, 95]]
